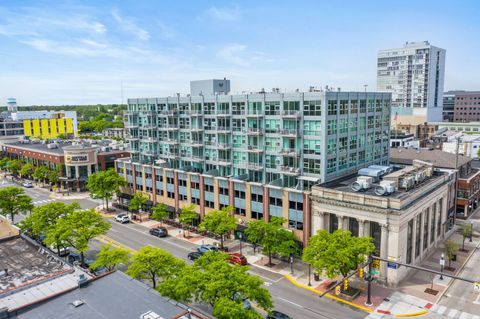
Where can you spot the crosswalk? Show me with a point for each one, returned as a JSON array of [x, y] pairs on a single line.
[[452, 313], [42, 202]]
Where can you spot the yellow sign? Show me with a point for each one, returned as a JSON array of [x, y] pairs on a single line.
[[376, 263]]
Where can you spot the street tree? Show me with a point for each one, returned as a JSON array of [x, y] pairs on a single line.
[[336, 253], [3, 163], [188, 215], [40, 174], [26, 170], [154, 264], [212, 280], [451, 249], [160, 212], [105, 184], [272, 237], [14, 166], [46, 216], [466, 232], [77, 229], [136, 203], [110, 257], [14, 201], [219, 222], [53, 176]]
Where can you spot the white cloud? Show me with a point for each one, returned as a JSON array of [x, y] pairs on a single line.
[[129, 25], [224, 14], [239, 54]]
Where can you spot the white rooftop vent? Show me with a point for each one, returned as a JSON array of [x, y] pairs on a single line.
[[77, 303], [385, 188], [362, 183], [150, 315]]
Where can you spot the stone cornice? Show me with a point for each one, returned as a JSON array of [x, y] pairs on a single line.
[[320, 200]]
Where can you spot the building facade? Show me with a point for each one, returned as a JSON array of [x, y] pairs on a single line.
[[47, 124], [288, 140], [119, 133], [406, 225], [414, 74], [466, 106], [448, 106]]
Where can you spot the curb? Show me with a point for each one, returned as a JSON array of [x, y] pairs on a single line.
[[413, 314], [105, 216], [293, 281]]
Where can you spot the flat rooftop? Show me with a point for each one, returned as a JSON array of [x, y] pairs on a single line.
[[344, 185], [39, 147], [26, 265]]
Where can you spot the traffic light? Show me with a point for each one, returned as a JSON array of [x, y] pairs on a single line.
[[376, 263], [337, 290], [360, 273], [345, 284]]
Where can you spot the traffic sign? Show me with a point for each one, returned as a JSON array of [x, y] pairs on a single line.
[[476, 286]]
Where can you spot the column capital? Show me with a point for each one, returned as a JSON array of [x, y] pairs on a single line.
[[361, 220], [384, 226]]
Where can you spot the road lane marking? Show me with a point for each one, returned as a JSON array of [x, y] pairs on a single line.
[[290, 302], [109, 241]]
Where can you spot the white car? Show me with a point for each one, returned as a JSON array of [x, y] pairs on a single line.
[[27, 184], [122, 218], [64, 251]]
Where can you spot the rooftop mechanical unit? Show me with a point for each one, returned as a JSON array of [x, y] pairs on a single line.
[[385, 188], [362, 183]]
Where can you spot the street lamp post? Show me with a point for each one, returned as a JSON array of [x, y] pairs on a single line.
[[291, 264], [240, 239], [471, 231], [309, 282], [442, 264], [369, 279]]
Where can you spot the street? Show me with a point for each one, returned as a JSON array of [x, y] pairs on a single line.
[[294, 301]]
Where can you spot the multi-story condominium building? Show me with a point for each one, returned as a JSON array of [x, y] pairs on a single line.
[[414, 74], [259, 153], [289, 140]]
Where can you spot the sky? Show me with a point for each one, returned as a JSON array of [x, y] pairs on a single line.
[[85, 52]]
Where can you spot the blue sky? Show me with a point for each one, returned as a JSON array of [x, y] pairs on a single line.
[[79, 52]]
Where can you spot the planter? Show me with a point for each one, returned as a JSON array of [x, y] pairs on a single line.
[[350, 294]]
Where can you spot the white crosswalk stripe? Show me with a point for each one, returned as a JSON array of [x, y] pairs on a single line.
[[464, 315], [441, 310], [452, 313]]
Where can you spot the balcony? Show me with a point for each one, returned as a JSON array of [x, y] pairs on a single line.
[[169, 155], [170, 141], [224, 146], [131, 125], [168, 113], [290, 170], [254, 131], [223, 129], [194, 113], [132, 138], [290, 114], [289, 132], [194, 143], [223, 112], [224, 162], [149, 140], [148, 113], [126, 113], [254, 149], [254, 166], [196, 129], [132, 151], [195, 158], [291, 152], [254, 113], [149, 153], [238, 112], [172, 128]]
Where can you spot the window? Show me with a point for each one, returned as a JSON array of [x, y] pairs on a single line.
[[426, 218], [312, 127], [332, 107], [257, 215], [295, 205], [159, 192], [257, 198], [170, 195], [195, 185], [170, 180], [239, 194], [343, 106], [182, 197], [223, 191], [432, 224], [275, 201], [209, 188], [417, 235], [182, 182], [409, 241], [312, 108], [209, 204], [332, 127], [240, 211], [311, 166], [331, 165], [311, 146]]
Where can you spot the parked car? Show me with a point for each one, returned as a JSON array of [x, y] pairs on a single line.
[[27, 184], [194, 255], [122, 218], [237, 258], [73, 257], [246, 303], [206, 248], [159, 232], [64, 251], [277, 315]]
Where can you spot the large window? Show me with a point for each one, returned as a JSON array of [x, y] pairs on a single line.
[[409, 241], [311, 146], [312, 127], [433, 223], [332, 127], [426, 218], [332, 107], [343, 106], [311, 166], [312, 108], [418, 239]]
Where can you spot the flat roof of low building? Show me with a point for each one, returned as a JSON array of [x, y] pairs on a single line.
[[113, 296], [39, 147]]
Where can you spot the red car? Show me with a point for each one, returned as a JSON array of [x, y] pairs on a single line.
[[237, 258]]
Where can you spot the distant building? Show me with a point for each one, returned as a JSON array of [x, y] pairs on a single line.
[[466, 105], [468, 192], [403, 140], [414, 74], [405, 211], [115, 133], [468, 144], [467, 127], [448, 106], [47, 124], [75, 161], [210, 87]]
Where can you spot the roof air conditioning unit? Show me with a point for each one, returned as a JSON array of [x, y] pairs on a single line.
[[407, 182], [362, 183], [385, 188]]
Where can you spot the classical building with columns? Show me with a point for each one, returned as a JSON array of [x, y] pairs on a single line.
[[406, 222]]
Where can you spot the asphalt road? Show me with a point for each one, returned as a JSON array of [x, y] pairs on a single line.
[[294, 301]]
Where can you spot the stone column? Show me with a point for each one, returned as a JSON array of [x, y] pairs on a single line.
[[340, 221], [321, 220], [361, 227], [383, 248], [77, 176]]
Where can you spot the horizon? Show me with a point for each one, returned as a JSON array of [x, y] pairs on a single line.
[[80, 53]]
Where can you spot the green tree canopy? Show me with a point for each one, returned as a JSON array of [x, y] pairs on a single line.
[[13, 201], [160, 212], [40, 173], [53, 176], [272, 237], [212, 280], [138, 200], [154, 264], [27, 169], [337, 253], [105, 184], [4, 162], [110, 257], [77, 229], [451, 249], [219, 222], [465, 231], [188, 214], [14, 166]]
